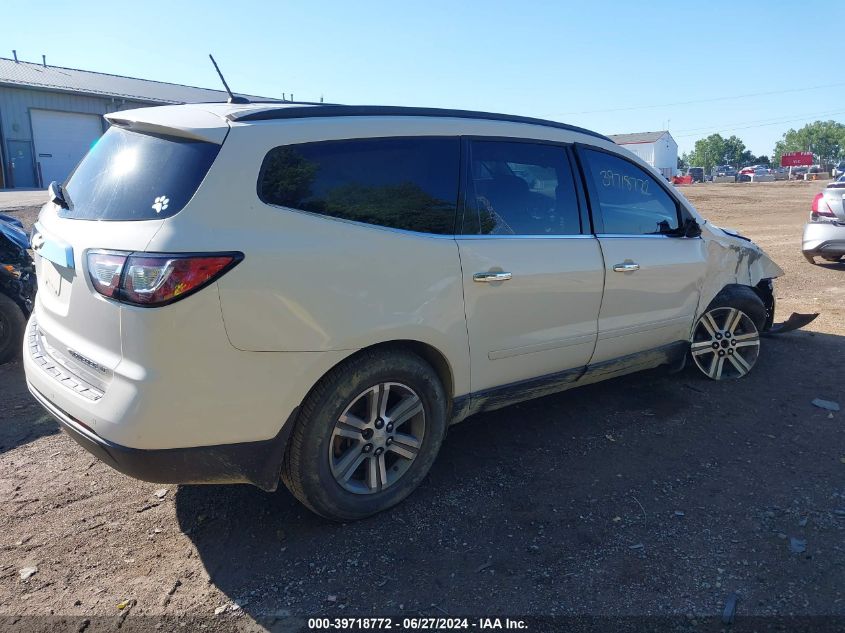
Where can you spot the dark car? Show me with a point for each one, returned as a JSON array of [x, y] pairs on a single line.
[[697, 174], [722, 171], [17, 286]]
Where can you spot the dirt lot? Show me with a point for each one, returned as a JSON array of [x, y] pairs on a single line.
[[648, 495]]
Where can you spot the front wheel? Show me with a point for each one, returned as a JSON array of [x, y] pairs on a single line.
[[726, 338], [366, 435]]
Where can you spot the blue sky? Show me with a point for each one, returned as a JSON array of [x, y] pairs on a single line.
[[610, 66]]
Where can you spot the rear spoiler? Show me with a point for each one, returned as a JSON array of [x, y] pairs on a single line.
[[186, 122]]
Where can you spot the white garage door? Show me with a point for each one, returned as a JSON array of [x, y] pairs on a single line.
[[61, 140]]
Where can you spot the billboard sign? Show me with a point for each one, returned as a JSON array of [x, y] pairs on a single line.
[[796, 159]]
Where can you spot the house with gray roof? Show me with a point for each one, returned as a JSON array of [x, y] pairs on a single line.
[[658, 149]]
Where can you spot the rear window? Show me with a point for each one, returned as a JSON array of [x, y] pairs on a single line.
[[133, 176], [401, 183]]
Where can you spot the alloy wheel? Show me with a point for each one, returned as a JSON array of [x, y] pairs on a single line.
[[377, 438], [725, 343]]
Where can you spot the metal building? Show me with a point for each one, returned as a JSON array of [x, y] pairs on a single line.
[[50, 116], [658, 149]]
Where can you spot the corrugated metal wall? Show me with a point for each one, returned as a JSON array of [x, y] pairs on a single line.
[[666, 156], [15, 104], [662, 154], [643, 150]]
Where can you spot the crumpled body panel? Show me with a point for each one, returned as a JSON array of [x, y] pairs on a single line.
[[732, 259]]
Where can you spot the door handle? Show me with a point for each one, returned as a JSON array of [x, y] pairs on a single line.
[[488, 277], [626, 267]]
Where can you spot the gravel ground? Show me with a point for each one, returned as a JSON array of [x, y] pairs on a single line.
[[22, 202], [649, 495]]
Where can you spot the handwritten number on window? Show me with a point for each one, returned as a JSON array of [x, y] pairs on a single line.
[[615, 180]]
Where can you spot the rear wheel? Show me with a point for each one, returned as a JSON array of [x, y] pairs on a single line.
[[366, 436], [726, 338], [12, 326]]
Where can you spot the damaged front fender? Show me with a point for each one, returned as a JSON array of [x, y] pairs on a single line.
[[734, 259]]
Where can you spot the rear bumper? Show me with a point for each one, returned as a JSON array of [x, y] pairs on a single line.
[[176, 382], [258, 463], [823, 238]]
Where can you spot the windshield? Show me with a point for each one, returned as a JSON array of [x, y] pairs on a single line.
[[134, 176]]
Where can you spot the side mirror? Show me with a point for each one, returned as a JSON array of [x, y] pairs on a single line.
[[691, 228], [56, 195]]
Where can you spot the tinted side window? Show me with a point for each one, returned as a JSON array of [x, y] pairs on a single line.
[[403, 183], [631, 201], [520, 189]]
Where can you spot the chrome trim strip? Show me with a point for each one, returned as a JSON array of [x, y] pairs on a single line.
[[620, 235], [40, 354], [525, 237]]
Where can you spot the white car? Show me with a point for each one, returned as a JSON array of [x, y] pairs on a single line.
[[313, 293], [824, 234]]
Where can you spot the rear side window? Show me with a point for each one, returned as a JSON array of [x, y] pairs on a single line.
[[631, 201], [518, 188], [401, 183], [133, 176]]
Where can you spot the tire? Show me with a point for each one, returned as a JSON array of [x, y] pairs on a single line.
[[12, 326], [348, 469], [726, 337]]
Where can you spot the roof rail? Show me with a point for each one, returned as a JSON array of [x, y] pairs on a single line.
[[331, 110]]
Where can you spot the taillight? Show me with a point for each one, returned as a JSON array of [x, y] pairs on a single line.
[[820, 207], [155, 279], [105, 270]]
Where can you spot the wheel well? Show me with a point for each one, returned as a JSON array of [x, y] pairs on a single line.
[[428, 353], [763, 291]]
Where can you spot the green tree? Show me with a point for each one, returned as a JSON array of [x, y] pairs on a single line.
[[734, 150], [826, 139], [717, 150]]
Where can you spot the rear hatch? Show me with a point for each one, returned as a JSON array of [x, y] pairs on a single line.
[[117, 198]]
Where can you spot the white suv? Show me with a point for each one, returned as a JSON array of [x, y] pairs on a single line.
[[313, 293]]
